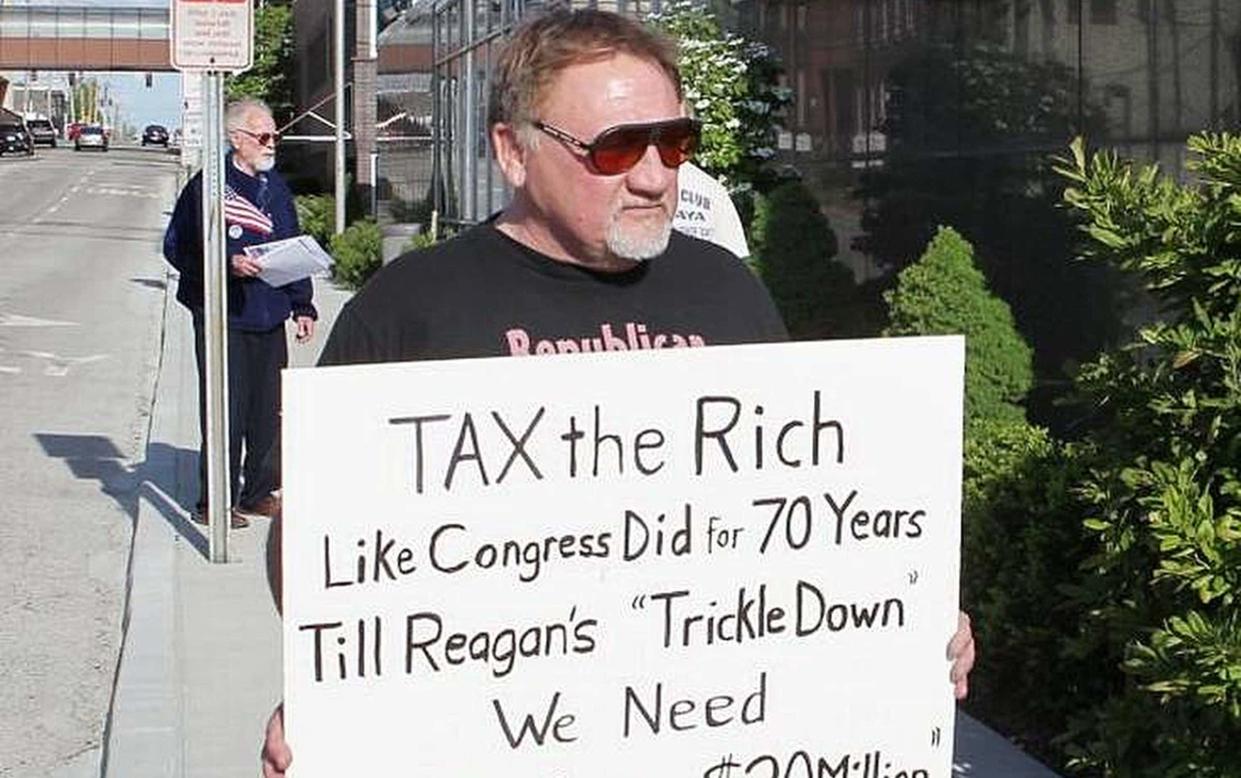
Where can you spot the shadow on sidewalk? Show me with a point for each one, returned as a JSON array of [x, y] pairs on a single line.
[[150, 283], [155, 479]]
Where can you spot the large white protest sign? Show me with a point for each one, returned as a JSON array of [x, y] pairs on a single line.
[[731, 562]]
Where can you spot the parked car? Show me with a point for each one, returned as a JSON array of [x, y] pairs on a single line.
[[155, 135], [15, 138], [91, 137], [42, 131]]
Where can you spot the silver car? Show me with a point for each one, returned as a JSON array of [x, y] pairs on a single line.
[[91, 138], [42, 131]]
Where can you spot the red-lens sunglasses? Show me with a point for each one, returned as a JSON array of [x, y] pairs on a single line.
[[263, 138], [617, 149]]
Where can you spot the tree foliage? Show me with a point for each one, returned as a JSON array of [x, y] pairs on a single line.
[[730, 84], [944, 293], [966, 129], [1164, 580], [270, 79]]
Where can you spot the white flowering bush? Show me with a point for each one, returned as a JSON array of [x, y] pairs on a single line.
[[730, 85]]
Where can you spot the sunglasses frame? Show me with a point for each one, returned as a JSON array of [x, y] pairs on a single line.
[[654, 131], [273, 138]]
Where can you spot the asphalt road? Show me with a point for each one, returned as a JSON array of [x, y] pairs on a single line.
[[81, 302]]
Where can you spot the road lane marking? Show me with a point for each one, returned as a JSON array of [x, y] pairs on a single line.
[[58, 366], [117, 192], [17, 320]]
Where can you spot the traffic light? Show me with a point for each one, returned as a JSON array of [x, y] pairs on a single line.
[[73, 79], [148, 80]]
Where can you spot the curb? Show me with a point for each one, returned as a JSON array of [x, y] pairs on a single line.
[[143, 730]]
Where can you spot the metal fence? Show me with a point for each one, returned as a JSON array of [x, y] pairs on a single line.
[[466, 38]]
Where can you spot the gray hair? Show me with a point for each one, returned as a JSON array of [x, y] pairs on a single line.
[[238, 111]]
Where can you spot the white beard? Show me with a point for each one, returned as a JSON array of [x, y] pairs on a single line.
[[265, 164], [637, 243]]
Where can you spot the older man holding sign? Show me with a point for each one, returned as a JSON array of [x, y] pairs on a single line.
[[718, 562]]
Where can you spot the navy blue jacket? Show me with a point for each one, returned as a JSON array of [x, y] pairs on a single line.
[[253, 305]]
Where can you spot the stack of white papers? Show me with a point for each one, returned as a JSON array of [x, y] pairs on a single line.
[[289, 260]]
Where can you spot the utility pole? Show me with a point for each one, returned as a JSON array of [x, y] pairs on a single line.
[[73, 116], [338, 49], [365, 75]]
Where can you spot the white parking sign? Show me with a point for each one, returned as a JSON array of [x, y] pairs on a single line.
[[212, 35]]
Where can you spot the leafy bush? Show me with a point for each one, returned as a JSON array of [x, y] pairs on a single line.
[[1022, 538], [732, 85], [358, 252], [422, 240], [1164, 580], [960, 122], [792, 250], [411, 211], [317, 216], [1022, 544], [944, 293]]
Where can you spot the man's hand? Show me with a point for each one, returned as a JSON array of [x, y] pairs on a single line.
[[244, 266], [961, 652], [305, 328], [276, 754]]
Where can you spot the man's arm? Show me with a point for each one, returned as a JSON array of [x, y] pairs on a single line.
[[182, 239]]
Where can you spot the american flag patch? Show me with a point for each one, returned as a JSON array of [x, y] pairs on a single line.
[[240, 211]]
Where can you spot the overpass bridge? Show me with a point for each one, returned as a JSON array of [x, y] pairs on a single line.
[[78, 38]]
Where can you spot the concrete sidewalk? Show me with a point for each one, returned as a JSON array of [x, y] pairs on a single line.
[[201, 658], [200, 664]]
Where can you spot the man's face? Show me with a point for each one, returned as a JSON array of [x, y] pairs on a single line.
[[247, 141], [593, 217]]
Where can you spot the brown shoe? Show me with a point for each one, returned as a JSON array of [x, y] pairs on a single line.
[[236, 519], [266, 508]]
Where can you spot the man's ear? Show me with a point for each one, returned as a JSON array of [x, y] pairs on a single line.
[[510, 154]]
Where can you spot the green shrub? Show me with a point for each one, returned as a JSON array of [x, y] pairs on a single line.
[[358, 252], [1022, 544], [944, 293], [792, 250], [421, 240], [732, 85], [1163, 585], [317, 216], [1022, 539]]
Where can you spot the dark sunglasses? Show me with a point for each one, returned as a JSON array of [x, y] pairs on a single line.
[[617, 149], [264, 138]]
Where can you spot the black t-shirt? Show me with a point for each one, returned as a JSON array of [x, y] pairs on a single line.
[[484, 294]]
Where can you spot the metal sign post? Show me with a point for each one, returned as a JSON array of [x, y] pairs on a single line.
[[215, 313], [211, 38], [191, 120]]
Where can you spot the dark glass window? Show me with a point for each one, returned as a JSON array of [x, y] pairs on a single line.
[[1103, 12]]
